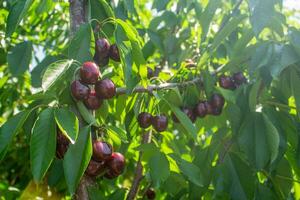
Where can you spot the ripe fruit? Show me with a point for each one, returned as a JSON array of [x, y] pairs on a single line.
[[105, 89], [116, 163], [110, 175], [101, 151], [114, 53], [190, 113], [239, 78], [144, 119], [95, 168], [79, 90], [200, 109], [89, 73], [217, 101], [226, 82], [216, 111], [150, 73], [92, 102], [150, 193], [209, 108], [102, 47], [62, 144], [160, 123], [101, 61]]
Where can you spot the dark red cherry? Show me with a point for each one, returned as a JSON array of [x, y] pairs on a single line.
[[102, 47], [144, 119], [150, 193], [150, 73], [62, 144], [110, 175], [239, 78], [209, 107], [226, 82], [216, 111], [114, 53], [217, 101], [79, 91], [89, 73], [116, 163], [93, 102], [200, 109], [102, 151], [160, 123], [95, 168], [189, 113], [105, 89], [101, 61]]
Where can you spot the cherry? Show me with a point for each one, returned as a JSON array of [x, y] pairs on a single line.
[[95, 168], [150, 193], [239, 78], [190, 113], [144, 119], [114, 53], [150, 73], [102, 47], [79, 90], [89, 73], [116, 163], [200, 109], [93, 102], [226, 82], [101, 61], [209, 108], [62, 144], [105, 89], [216, 111], [160, 123], [217, 101], [110, 175], [102, 151]]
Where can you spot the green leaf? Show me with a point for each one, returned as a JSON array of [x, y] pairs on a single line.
[[9, 129], [261, 13], [77, 159], [54, 72], [235, 177], [209, 83], [119, 132], [81, 45], [191, 171], [160, 5], [294, 82], [16, 13], [228, 28], [184, 120], [67, 123], [42, 143], [19, 58], [253, 95], [229, 95], [39, 69], [159, 168], [207, 16], [259, 139], [261, 57]]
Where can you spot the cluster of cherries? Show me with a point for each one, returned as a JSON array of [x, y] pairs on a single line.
[[89, 89], [104, 51], [104, 161], [213, 106], [159, 122], [232, 82]]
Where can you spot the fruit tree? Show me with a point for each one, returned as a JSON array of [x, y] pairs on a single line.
[[150, 99]]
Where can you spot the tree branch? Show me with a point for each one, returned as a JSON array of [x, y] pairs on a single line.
[[139, 170], [164, 86]]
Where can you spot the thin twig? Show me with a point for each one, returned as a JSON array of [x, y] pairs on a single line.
[[164, 86], [139, 170]]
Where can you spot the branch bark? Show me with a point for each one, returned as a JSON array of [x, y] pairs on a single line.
[[139, 170], [77, 17], [164, 86]]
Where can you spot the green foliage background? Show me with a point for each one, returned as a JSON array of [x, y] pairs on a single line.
[[251, 151]]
